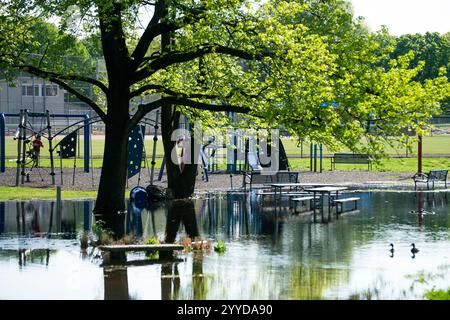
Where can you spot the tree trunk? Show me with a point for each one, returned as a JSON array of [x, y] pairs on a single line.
[[110, 204], [180, 185]]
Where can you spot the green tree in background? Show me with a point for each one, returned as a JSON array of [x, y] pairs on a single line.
[[431, 49]]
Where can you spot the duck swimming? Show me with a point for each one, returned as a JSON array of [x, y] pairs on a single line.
[[391, 251], [414, 249]]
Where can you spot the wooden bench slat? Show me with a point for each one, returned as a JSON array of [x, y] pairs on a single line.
[[351, 158], [347, 199], [141, 247], [291, 194], [266, 193], [256, 177], [305, 198]]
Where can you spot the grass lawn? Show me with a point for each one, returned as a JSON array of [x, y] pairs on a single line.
[[437, 144], [97, 146], [393, 164], [68, 163], [22, 193]]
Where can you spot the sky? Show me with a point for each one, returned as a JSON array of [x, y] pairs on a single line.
[[405, 16]]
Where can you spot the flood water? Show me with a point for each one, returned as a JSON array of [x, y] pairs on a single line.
[[272, 253]]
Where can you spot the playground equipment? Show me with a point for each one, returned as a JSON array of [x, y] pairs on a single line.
[[253, 150], [313, 157], [136, 149], [26, 130], [208, 152]]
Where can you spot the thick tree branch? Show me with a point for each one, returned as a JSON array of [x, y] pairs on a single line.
[[161, 89], [143, 109], [145, 88], [82, 97], [177, 57], [49, 74], [147, 37], [204, 106], [155, 29]]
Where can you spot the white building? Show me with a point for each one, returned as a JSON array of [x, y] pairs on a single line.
[[38, 95]]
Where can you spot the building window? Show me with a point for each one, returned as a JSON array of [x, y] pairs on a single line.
[[27, 90], [50, 90]]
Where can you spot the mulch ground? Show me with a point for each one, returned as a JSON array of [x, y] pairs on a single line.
[[89, 181]]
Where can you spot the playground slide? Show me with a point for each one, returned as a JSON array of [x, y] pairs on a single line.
[[253, 161]]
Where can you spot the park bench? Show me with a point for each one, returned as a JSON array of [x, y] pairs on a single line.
[[341, 201], [431, 177], [351, 158], [252, 178]]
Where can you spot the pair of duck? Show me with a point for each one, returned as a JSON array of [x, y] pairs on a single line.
[[413, 250]]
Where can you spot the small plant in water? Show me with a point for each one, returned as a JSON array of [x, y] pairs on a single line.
[[103, 234], [438, 294], [105, 239], [201, 244], [84, 241], [220, 247], [127, 239], [186, 242], [152, 254], [152, 240]]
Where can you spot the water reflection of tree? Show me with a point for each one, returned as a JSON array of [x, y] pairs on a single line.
[[311, 282], [116, 283], [316, 245], [180, 214], [170, 281], [200, 281], [240, 214]]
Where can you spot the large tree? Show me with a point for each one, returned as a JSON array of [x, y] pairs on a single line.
[[275, 61]]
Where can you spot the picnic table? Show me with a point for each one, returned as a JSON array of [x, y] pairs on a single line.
[[327, 190], [278, 187]]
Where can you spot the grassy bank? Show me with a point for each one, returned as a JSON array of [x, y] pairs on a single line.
[[21, 193]]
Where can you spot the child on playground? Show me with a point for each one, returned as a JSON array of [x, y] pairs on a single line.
[[37, 145]]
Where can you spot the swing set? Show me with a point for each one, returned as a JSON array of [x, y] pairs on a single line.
[[28, 159]]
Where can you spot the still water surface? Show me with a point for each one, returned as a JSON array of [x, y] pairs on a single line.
[[272, 253]]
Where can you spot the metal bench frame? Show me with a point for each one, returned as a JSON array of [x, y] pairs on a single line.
[[351, 158], [341, 201], [312, 201], [432, 176]]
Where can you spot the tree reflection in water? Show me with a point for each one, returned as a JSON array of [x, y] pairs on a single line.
[[180, 213]]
